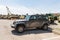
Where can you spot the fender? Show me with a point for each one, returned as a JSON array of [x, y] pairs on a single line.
[[20, 23]]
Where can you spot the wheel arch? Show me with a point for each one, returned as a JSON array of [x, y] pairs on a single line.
[[45, 24], [20, 25]]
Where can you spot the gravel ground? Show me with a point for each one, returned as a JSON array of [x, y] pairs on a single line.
[[7, 33]]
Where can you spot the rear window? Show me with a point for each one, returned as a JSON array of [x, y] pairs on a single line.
[[42, 17]]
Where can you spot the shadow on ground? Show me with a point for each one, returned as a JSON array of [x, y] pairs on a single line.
[[35, 31], [54, 23]]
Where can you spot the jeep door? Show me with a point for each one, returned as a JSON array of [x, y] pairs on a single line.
[[40, 20], [33, 22]]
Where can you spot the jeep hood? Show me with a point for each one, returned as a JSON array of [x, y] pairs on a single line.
[[21, 20]]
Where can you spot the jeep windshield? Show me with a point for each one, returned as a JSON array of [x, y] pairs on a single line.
[[27, 17]]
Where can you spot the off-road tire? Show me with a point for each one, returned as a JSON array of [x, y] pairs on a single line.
[[58, 21], [45, 27], [19, 29]]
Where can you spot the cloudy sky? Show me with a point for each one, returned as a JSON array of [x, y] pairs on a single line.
[[30, 6]]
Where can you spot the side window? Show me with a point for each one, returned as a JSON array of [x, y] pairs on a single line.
[[33, 17], [39, 17]]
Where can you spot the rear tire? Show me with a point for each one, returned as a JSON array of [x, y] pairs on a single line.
[[45, 27], [19, 29], [58, 21]]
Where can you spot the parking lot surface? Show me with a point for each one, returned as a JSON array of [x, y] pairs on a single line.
[[8, 33]]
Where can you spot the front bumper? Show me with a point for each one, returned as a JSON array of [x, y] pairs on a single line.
[[12, 26]]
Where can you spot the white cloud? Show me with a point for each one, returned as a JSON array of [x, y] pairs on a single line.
[[2, 10], [18, 10]]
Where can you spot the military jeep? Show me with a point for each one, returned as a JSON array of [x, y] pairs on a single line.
[[31, 22]]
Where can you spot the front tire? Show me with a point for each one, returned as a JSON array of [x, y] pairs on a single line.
[[19, 29]]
